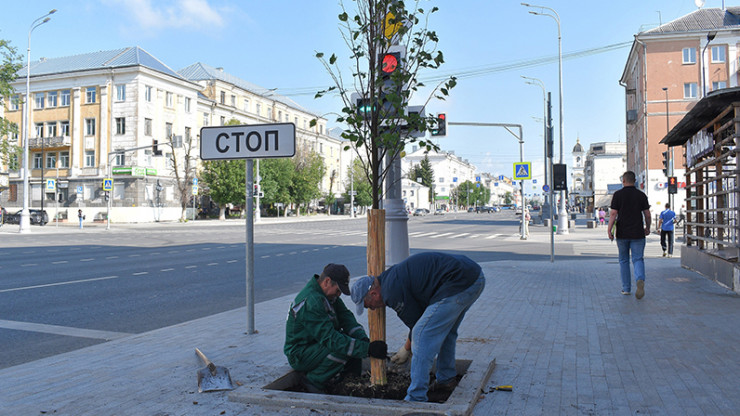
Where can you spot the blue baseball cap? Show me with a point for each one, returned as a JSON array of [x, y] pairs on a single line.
[[359, 291]]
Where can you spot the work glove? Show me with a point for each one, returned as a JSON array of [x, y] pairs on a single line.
[[401, 356], [378, 349]]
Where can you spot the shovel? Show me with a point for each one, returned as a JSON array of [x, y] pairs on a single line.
[[212, 377]]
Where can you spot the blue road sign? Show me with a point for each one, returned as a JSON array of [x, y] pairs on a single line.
[[546, 188], [522, 170], [501, 177]]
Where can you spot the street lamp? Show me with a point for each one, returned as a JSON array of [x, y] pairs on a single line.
[[710, 37], [669, 168], [538, 82], [25, 223], [562, 214]]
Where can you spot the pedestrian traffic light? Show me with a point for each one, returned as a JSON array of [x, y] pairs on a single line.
[[559, 177], [672, 185], [390, 94], [666, 161], [107, 196], [441, 129], [155, 148]]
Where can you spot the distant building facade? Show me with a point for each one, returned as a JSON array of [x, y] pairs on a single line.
[[605, 163], [449, 172]]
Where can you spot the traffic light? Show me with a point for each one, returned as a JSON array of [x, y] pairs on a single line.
[[666, 162], [155, 148], [107, 196], [672, 185], [364, 108], [441, 129], [390, 95], [559, 177]]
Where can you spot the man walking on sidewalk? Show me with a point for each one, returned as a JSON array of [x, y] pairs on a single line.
[[629, 208], [665, 223], [430, 292]]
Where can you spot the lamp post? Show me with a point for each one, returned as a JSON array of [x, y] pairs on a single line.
[[538, 82], [562, 214], [25, 223], [669, 168], [710, 37]]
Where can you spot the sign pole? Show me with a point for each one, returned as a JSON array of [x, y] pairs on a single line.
[[250, 246]]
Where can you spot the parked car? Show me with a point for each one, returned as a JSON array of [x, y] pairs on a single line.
[[420, 212], [439, 212], [36, 216], [471, 209]]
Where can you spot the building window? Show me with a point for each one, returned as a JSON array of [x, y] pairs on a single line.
[[15, 102], [689, 90], [65, 98], [51, 99], [280, 115], [64, 127], [223, 97], [121, 92], [187, 134], [64, 159], [39, 100], [168, 131], [37, 160], [89, 127], [90, 95], [689, 55], [120, 125], [120, 159], [233, 100], [51, 160], [223, 120], [187, 104], [719, 85], [441, 180], [258, 109], [148, 93], [295, 120], [718, 54], [51, 129], [89, 158], [39, 129], [205, 119], [168, 99], [147, 127], [246, 105]]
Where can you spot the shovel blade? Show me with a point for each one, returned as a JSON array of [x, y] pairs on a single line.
[[221, 380]]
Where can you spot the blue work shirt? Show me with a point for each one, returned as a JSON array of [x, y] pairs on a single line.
[[668, 218], [423, 279]]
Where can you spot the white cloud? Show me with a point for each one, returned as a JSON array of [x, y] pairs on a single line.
[[158, 15]]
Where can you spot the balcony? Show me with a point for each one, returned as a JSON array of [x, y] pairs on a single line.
[[57, 141]]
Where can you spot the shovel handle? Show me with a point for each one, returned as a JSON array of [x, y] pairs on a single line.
[[209, 364]]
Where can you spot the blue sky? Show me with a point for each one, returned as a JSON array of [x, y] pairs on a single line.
[[273, 44]]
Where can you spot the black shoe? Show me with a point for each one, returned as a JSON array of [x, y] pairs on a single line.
[[310, 387]]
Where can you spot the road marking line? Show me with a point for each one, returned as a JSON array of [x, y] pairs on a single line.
[[87, 259], [232, 261], [440, 235], [111, 257], [190, 267], [59, 262], [264, 257], [426, 234], [62, 330], [293, 252], [59, 284], [279, 254], [139, 273], [29, 264], [134, 255], [459, 235], [206, 248], [211, 264], [493, 236], [167, 270]]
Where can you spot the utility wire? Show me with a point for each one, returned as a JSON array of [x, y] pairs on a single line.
[[473, 72]]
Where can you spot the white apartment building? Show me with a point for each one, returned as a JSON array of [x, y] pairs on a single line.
[[605, 163], [449, 171], [415, 195], [87, 110]]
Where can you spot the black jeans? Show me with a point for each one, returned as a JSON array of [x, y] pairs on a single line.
[[669, 236]]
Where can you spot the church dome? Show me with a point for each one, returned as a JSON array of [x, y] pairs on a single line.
[[578, 148]]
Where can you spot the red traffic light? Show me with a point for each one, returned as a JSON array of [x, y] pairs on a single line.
[[389, 63], [672, 180]]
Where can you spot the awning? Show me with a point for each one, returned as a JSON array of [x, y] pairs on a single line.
[[701, 114]]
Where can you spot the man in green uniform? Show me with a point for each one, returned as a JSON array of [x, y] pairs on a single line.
[[322, 337]]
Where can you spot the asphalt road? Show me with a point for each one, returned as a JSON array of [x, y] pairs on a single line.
[[68, 289]]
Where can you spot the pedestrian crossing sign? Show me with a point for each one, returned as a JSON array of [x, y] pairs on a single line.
[[107, 184], [522, 170]]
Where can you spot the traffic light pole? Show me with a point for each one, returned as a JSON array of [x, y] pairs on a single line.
[[520, 138]]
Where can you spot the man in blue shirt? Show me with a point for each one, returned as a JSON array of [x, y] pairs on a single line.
[[665, 223], [430, 292]]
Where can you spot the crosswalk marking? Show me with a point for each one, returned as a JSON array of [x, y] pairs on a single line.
[[440, 235], [459, 235]]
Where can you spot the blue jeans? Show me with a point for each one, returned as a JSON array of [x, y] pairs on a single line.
[[637, 247], [435, 333]]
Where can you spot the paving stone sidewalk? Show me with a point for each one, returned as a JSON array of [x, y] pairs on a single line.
[[561, 332]]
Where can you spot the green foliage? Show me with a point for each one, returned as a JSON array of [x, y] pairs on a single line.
[[225, 180], [467, 193], [383, 131], [277, 175], [9, 68], [308, 171], [424, 171], [508, 198], [358, 180]]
